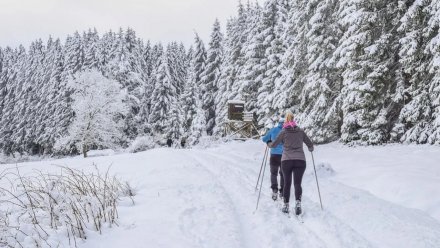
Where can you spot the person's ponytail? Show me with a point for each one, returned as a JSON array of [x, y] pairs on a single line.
[[289, 116]]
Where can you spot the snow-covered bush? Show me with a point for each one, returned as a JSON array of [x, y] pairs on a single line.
[[37, 208], [142, 144]]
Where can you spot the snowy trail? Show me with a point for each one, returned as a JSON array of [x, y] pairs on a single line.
[[269, 216], [206, 198], [352, 218]]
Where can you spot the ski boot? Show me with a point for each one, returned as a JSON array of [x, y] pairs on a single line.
[[298, 210], [274, 195], [285, 208]]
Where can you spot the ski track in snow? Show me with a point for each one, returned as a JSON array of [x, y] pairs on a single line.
[[355, 218], [207, 198], [306, 235], [215, 212]]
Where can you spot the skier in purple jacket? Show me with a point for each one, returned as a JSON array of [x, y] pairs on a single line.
[[293, 160]]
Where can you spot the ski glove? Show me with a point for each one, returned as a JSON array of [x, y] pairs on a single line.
[[311, 149]]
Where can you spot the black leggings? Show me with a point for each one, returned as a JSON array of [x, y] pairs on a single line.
[[275, 164], [297, 167]]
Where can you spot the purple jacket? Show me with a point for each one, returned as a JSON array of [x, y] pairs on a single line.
[[292, 139]]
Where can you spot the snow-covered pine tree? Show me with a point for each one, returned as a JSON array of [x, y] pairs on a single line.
[[44, 112], [1, 64], [156, 54], [163, 95], [434, 86], [173, 121], [199, 58], [2, 84], [383, 60], [293, 67], [319, 113], [31, 81], [73, 55], [237, 34], [189, 97], [147, 56], [365, 55], [147, 89], [91, 43], [198, 125], [176, 63], [176, 56], [105, 51], [58, 112], [9, 73], [16, 125], [98, 105], [414, 120], [198, 63], [210, 76], [274, 50], [126, 66], [226, 79], [252, 70]]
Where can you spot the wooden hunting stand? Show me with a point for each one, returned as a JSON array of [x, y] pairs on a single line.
[[240, 124]]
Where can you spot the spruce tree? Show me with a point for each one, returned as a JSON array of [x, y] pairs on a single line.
[[251, 71], [73, 55], [91, 43], [163, 95], [366, 60], [188, 98], [293, 67], [199, 58], [434, 86], [274, 49], [210, 76], [228, 73], [319, 112], [414, 122], [198, 125]]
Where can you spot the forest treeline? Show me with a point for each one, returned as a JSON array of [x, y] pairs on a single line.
[[363, 72]]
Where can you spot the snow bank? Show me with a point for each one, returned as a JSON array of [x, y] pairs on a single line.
[[384, 196], [408, 175], [97, 153], [324, 170]]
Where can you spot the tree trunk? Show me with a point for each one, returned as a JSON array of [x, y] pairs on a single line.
[[85, 150]]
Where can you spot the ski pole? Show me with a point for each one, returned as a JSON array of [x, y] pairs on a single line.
[[317, 184], [261, 168], [261, 183]]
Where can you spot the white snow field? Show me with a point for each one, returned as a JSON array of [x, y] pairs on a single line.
[[385, 196]]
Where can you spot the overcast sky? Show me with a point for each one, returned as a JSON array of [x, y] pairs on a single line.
[[22, 21]]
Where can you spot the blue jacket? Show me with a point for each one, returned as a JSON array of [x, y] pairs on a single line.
[[272, 136]]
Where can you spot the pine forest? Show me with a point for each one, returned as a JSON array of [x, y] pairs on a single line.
[[364, 72]]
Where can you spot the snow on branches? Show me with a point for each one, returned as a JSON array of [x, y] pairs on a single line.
[[98, 103], [37, 208]]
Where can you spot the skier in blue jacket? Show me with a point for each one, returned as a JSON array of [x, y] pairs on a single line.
[[275, 159]]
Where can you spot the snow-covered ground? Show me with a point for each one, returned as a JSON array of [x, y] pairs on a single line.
[[386, 196]]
